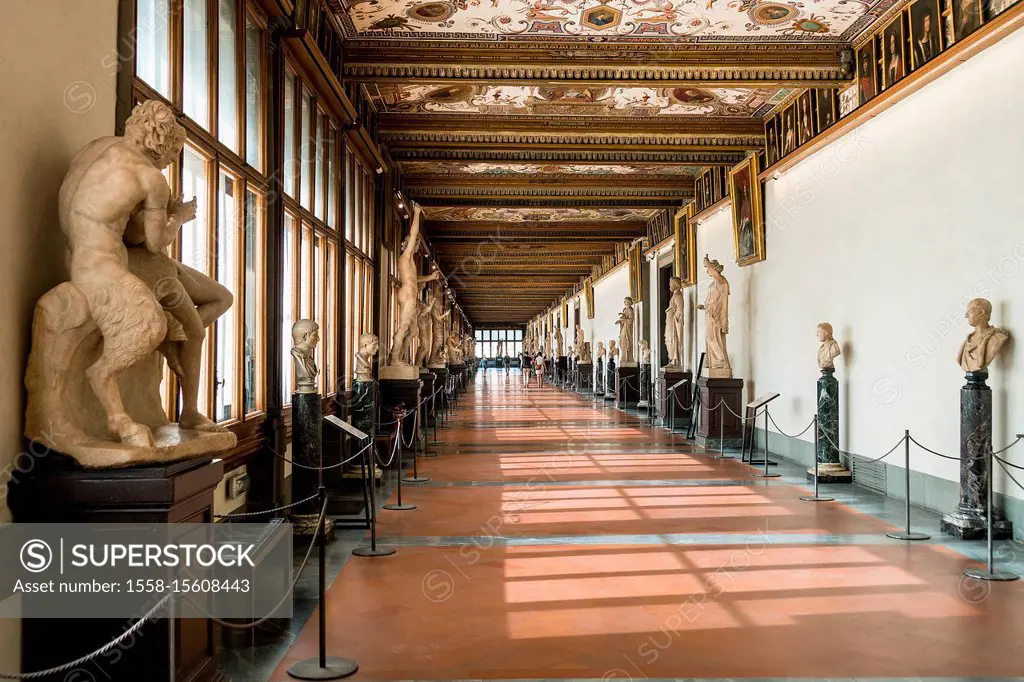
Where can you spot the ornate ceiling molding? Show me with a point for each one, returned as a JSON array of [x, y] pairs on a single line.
[[668, 125], [406, 137], [700, 158], [424, 191], [621, 74], [517, 201]]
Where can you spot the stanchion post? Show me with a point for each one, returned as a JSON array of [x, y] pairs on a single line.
[[991, 575], [370, 474], [323, 667], [906, 534], [816, 497], [398, 463], [765, 473]]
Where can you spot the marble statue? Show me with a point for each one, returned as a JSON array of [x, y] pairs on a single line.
[[455, 355], [674, 324], [547, 345], [716, 309], [425, 328], [408, 296], [626, 322], [558, 342], [645, 352], [829, 349], [468, 347], [585, 355], [579, 341], [600, 349], [305, 337], [500, 351], [369, 346], [613, 350], [983, 344], [437, 344], [94, 372]]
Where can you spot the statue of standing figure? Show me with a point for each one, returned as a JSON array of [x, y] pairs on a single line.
[[716, 309], [425, 324], [558, 342], [674, 324], [626, 322], [94, 373], [437, 346], [408, 294]]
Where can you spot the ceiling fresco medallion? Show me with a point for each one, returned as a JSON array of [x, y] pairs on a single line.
[[602, 20], [575, 101], [524, 215], [480, 168]]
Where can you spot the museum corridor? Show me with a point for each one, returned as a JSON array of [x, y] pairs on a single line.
[[562, 538]]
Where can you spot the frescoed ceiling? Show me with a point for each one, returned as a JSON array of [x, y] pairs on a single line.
[[561, 127]]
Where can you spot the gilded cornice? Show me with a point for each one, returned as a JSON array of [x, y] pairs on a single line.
[[703, 158], [573, 137], [518, 201], [552, 191]]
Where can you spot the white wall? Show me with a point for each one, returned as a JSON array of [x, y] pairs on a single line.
[[57, 97], [608, 295], [887, 233]]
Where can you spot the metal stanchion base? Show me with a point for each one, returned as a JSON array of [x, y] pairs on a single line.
[[816, 498], [904, 535], [310, 669], [415, 479], [399, 507], [368, 551], [994, 576]]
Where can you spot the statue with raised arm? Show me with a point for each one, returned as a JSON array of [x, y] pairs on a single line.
[[425, 324], [674, 324], [626, 322], [408, 295], [716, 309], [94, 373]]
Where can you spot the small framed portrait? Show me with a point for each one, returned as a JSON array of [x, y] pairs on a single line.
[[698, 193], [707, 190], [993, 8], [805, 117], [967, 17], [827, 105], [747, 217], [771, 141], [686, 245], [849, 100], [866, 81], [894, 63], [925, 31], [789, 130]]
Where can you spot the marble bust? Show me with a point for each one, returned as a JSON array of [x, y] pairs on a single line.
[[305, 337], [645, 352], [983, 344], [613, 350], [829, 349], [585, 357], [369, 346], [600, 349]]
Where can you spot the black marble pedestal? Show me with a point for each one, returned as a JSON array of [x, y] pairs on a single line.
[[830, 468], [406, 394], [441, 372], [645, 386], [609, 380], [58, 491], [969, 520], [627, 385], [584, 376], [718, 425], [561, 368], [430, 387], [461, 373], [307, 449], [599, 378], [681, 413]]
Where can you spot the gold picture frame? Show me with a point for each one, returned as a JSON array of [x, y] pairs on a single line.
[[685, 247], [588, 290], [747, 215]]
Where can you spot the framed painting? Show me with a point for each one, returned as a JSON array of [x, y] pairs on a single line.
[[894, 63], [698, 193], [866, 81], [827, 107], [747, 218], [925, 30], [771, 141], [805, 117], [789, 130], [685, 253], [993, 8], [967, 17]]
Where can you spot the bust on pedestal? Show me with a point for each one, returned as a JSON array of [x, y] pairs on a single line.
[[718, 386], [584, 368], [609, 379], [364, 398], [599, 374], [307, 441], [969, 520], [830, 469], [645, 374]]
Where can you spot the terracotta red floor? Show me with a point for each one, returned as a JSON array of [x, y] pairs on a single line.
[[508, 570]]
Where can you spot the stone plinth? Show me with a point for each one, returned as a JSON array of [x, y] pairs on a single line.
[[307, 449], [830, 468], [584, 376], [405, 393], [599, 378], [430, 386], [609, 380], [645, 386], [969, 520], [561, 368], [722, 423], [627, 385], [682, 399]]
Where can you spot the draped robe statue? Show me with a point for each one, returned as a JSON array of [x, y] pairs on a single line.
[[674, 324], [716, 309]]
